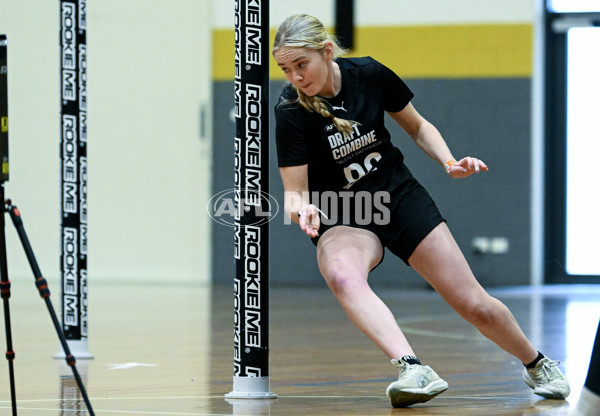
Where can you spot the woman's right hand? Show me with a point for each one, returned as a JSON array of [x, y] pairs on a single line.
[[309, 221]]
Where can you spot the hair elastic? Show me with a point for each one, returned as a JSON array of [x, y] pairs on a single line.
[[321, 212], [448, 165]]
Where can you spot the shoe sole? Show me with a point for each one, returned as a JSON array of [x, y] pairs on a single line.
[[407, 397], [546, 394]]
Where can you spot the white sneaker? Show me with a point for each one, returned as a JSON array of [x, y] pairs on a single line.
[[416, 384], [546, 380]]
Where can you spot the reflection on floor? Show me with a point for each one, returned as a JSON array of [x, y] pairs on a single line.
[[166, 349]]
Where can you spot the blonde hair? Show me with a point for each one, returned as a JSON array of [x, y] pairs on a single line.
[[304, 31]]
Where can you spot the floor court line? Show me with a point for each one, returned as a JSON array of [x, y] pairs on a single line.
[[136, 412], [439, 334], [114, 398]]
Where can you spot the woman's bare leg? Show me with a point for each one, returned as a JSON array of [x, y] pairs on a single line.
[[346, 256], [439, 260]]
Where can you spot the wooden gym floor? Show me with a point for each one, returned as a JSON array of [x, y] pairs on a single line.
[[166, 349]]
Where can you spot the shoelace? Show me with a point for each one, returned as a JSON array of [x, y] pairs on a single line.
[[548, 368]]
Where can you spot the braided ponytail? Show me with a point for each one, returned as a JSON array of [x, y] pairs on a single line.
[[317, 105]]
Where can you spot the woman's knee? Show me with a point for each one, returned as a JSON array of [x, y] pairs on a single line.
[[485, 311], [343, 279]]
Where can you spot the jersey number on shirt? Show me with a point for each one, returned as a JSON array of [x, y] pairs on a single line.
[[355, 171]]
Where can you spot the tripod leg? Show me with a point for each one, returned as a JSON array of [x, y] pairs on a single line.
[[42, 286], [5, 293], [10, 354]]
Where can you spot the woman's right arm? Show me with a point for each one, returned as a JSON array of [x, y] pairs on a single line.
[[296, 197]]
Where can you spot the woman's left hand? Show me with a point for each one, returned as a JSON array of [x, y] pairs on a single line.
[[309, 221], [466, 166]]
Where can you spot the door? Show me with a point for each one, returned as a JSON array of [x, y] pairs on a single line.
[[572, 142]]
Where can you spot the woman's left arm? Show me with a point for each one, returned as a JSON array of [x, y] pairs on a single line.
[[429, 139]]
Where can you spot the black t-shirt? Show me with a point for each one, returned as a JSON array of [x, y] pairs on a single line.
[[336, 161]]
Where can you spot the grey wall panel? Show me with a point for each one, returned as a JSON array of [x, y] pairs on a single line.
[[487, 118]]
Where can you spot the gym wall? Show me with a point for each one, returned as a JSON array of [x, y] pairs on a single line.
[[149, 133]]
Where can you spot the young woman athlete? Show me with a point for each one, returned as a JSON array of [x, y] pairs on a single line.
[[331, 140]]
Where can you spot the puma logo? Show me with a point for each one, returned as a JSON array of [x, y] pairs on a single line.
[[333, 107]]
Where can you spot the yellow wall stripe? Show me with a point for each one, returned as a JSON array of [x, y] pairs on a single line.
[[454, 51]]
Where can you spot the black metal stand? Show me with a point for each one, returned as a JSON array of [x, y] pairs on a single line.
[[42, 286]]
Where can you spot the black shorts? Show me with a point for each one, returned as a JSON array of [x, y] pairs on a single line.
[[412, 212]]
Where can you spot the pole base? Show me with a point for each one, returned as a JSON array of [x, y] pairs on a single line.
[[78, 348], [251, 388]]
